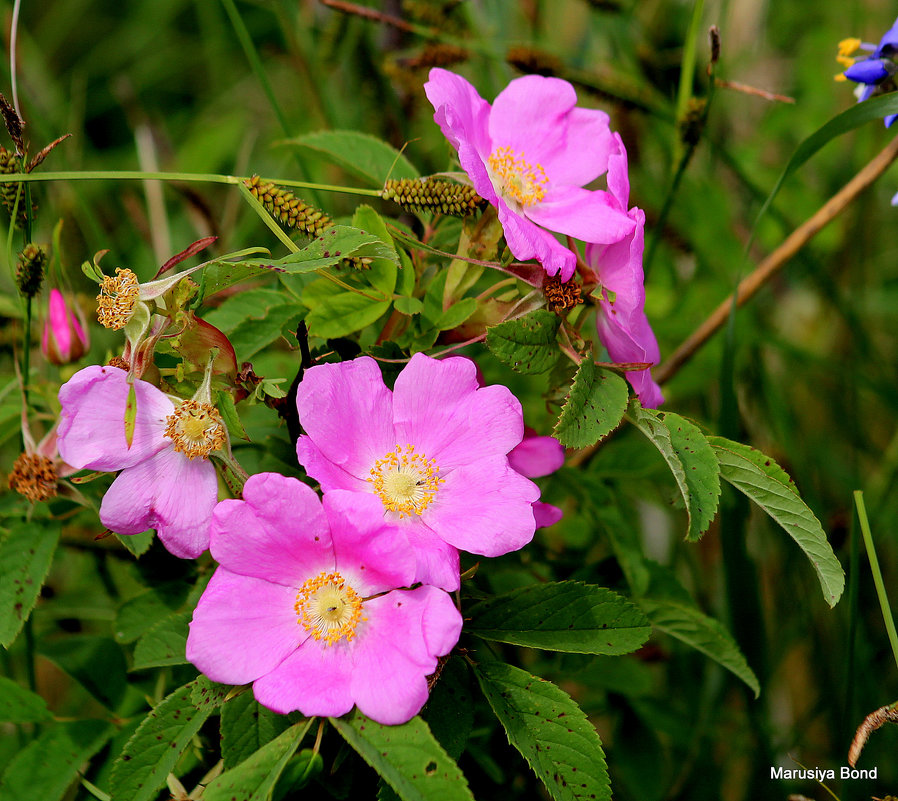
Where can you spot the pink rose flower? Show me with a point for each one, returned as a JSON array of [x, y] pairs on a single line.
[[621, 320], [434, 451], [535, 457], [305, 605], [530, 154], [166, 481], [65, 336]]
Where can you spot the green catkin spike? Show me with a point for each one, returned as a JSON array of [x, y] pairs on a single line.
[[10, 163], [30, 269], [436, 54], [444, 197]]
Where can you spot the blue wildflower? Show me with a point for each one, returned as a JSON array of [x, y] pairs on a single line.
[[875, 73]]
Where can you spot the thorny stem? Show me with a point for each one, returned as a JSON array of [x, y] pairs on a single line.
[[770, 266]]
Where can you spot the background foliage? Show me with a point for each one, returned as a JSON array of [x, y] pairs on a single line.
[[806, 375]]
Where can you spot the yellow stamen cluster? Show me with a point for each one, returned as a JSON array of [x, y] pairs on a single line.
[[328, 608], [117, 299], [34, 477], [196, 429], [520, 180], [847, 48], [405, 481]]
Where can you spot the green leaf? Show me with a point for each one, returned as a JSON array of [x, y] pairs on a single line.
[[456, 314], [130, 415], [763, 481], [691, 460], [96, 663], [223, 274], [209, 695], [164, 644], [155, 748], [344, 313], [690, 625], [549, 729], [46, 767], [253, 319], [255, 777], [449, 711], [139, 614], [381, 273], [246, 726], [408, 305], [594, 407], [137, 544], [25, 556], [562, 616], [361, 154], [18, 705], [408, 757], [224, 401], [527, 344]]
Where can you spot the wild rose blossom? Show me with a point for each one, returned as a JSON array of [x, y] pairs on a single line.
[[167, 481], [530, 154], [434, 451], [535, 457], [65, 338], [875, 73], [305, 605], [620, 317]]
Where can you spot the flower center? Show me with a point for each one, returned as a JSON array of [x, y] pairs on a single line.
[[328, 608], [34, 477], [196, 429], [117, 299], [406, 481], [517, 178]]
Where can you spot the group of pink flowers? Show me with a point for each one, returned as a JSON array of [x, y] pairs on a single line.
[[530, 155], [324, 604]]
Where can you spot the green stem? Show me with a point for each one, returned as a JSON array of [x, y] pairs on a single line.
[[687, 70], [877, 575]]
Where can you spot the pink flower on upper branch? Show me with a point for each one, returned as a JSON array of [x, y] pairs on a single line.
[[530, 154], [620, 317], [535, 457], [166, 481], [65, 336], [434, 451], [305, 605]]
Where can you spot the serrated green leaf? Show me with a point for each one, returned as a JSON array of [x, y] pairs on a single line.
[[139, 614], [208, 694], [549, 729], [689, 624], [381, 273], [227, 407], [344, 313], [154, 749], [46, 767], [164, 644], [246, 726], [408, 757], [137, 544], [96, 663], [363, 155], [408, 305], [527, 344], [18, 705], [255, 777], [562, 616], [594, 407], [223, 274], [763, 481], [456, 314], [449, 711], [691, 460], [25, 557]]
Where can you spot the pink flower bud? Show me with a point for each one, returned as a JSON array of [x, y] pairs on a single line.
[[65, 336]]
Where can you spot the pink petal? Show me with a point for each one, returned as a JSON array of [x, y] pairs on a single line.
[[347, 411], [405, 633], [324, 471], [314, 679], [546, 515], [243, 628], [371, 553], [537, 456], [436, 560], [633, 342], [526, 240], [278, 532], [591, 215], [169, 492], [463, 117], [618, 267], [92, 422], [439, 407], [618, 178], [484, 508]]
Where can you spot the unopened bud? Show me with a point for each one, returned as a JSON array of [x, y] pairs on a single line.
[[65, 337], [30, 269]]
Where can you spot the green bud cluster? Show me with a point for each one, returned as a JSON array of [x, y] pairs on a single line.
[[444, 197], [287, 209], [10, 163], [30, 269]]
